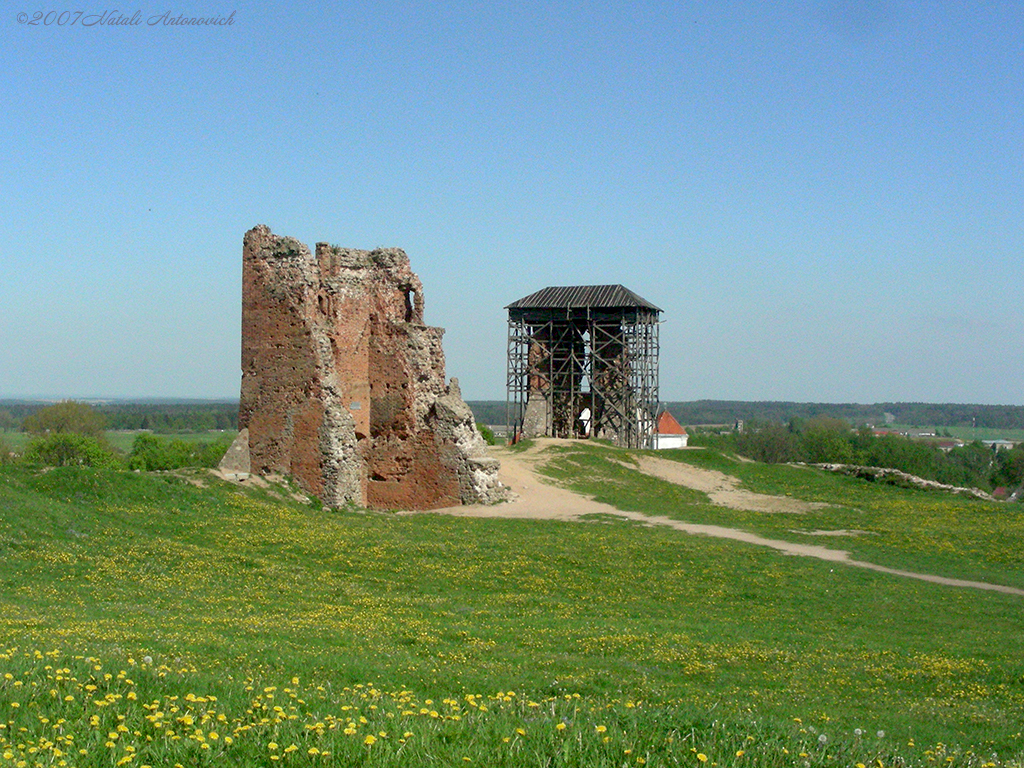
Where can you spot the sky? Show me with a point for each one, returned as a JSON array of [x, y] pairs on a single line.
[[826, 198]]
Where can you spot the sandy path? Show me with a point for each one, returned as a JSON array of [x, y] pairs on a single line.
[[537, 499], [722, 488]]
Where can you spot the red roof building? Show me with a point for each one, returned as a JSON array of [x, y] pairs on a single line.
[[669, 433]]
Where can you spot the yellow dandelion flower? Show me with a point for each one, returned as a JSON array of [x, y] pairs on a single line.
[[560, 727], [600, 728], [370, 740], [702, 757]]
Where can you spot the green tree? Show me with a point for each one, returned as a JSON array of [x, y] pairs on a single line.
[[67, 416], [970, 465], [771, 443], [828, 440], [1009, 468], [905, 455], [7, 421]]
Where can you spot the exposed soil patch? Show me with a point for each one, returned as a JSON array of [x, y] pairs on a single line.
[[721, 488]]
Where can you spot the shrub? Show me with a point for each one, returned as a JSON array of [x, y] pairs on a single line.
[[485, 433], [151, 453], [66, 449], [7, 454]]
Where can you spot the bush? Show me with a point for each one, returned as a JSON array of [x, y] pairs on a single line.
[[67, 449], [486, 433], [152, 454]]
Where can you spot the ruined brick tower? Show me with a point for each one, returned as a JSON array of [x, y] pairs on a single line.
[[343, 386]]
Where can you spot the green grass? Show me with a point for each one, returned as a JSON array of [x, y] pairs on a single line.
[[929, 531], [645, 643]]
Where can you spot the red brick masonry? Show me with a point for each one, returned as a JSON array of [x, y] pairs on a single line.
[[343, 386]]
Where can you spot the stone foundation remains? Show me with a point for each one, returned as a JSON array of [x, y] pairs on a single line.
[[343, 386]]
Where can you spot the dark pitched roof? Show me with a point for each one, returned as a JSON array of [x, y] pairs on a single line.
[[564, 297]]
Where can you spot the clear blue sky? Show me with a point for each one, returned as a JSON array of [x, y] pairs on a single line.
[[825, 197]]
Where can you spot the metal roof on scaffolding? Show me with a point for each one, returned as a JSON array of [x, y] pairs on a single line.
[[574, 296]]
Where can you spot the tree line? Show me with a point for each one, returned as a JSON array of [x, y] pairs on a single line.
[[919, 414], [164, 418], [828, 440], [171, 417], [731, 411]]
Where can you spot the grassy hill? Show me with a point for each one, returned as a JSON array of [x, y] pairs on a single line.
[[172, 618]]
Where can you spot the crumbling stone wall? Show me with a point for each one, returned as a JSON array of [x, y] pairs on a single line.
[[343, 386]]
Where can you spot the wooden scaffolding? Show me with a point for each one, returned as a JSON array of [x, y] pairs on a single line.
[[582, 361]]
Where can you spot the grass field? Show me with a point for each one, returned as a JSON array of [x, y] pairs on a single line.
[[969, 433], [145, 620]]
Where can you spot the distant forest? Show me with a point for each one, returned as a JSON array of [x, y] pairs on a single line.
[[729, 411], [166, 417], [171, 417]]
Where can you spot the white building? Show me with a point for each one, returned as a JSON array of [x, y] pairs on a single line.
[[669, 433]]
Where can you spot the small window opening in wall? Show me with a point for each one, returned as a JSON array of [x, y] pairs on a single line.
[[408, 305], [324, 304]]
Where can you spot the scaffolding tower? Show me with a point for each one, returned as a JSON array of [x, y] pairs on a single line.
[[583, 361]]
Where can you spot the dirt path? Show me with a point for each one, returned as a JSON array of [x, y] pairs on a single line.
[[537, 499], [721, 488]]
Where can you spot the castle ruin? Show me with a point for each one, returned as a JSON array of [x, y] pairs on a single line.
[[343, 385]]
